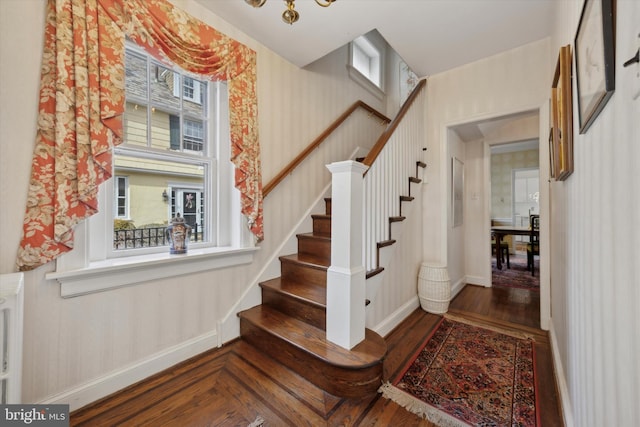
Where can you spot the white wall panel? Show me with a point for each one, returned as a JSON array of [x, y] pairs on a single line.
[[595, 294]]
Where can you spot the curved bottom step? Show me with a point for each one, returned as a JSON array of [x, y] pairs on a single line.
[[305, 350]]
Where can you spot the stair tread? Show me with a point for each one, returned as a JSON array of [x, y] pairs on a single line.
[[314, 235], [386, 243], [374, 272], [313, 340], [307, 292], [308, 259]]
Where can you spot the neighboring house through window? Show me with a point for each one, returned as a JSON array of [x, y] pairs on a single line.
[[175, 127]]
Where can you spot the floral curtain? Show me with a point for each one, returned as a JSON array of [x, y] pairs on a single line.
[[82, 101]]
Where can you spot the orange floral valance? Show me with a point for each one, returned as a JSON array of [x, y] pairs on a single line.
[[82, 100]]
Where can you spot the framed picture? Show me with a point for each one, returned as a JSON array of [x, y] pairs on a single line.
[[595, 51], [562, 116], [552, 156], [457, 190], [408, 81]]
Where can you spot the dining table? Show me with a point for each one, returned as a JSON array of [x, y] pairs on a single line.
[[499, 231]]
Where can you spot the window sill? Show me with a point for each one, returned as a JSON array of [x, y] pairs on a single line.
[[364, 81], [119, 272]]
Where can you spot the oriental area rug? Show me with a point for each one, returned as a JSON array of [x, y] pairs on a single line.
[[465, 374], [517, 276]]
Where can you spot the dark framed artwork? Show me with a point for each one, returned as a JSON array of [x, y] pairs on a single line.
[[562, 116], [595, 59]]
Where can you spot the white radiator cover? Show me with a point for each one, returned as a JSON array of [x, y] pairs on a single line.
[[11, 325]]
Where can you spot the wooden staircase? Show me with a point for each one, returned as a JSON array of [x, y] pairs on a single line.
[[290, 324]]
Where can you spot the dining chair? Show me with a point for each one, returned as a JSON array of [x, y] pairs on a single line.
[[533, 247], [504, 251]]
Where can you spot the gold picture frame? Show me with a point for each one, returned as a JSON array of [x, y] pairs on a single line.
[[562, 117]]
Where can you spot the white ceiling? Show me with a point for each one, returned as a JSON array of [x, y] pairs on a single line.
[[430, 35]]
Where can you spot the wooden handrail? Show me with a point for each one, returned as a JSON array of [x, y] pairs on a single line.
[[375, 151], [333, 126]]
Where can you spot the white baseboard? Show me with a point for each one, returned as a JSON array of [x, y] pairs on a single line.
[[103, 386], [478, 280], [457, 287], [561, 380], [387, 325]]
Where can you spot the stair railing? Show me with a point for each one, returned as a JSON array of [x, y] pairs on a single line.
[[391, 162], [361, 212], [319, 140]]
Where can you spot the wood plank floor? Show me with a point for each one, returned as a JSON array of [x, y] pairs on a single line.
[[236, 385]]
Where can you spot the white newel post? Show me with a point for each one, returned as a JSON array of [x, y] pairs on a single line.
[[346, 276]]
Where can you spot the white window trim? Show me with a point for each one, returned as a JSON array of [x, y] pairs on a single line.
[[363, 81], [377, 43], [119, 272], [78, 275]]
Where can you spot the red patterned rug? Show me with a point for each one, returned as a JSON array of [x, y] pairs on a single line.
[[469, 375], [517, 276]]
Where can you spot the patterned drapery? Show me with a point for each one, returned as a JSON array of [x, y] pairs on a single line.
[[82, 100]]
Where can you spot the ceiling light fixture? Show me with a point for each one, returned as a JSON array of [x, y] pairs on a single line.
[[290, 15]]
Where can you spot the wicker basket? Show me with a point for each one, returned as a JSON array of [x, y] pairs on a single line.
[[434, 288]]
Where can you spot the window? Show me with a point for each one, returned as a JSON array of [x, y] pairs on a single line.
[[174, 159], [167, 139], [191, 88], [120, 197], [193, 135], [366, 61]]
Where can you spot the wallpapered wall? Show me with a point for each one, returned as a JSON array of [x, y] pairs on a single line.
[[501, 166]]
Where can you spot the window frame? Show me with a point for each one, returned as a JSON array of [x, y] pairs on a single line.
[[372, 46], [93, 267]]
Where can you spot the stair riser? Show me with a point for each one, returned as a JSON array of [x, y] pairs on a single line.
[[322, 226], [309, 313], [296, 272], [327, 206], [318, 247], [335, 380]]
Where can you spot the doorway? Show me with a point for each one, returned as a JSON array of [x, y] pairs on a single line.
[[525, 201], [479, 139]]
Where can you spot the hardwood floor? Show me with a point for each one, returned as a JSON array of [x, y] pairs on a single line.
[[237, 385]]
